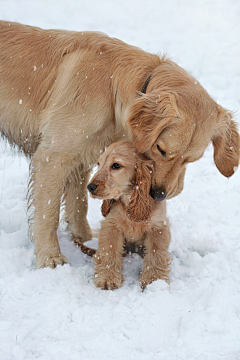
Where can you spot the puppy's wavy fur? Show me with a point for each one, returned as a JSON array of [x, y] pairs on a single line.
[[65, 96], [133, 218]]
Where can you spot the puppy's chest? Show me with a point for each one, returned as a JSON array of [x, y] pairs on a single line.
[[134, 232]]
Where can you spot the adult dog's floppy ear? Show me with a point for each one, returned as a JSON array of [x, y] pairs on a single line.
[[149, 115], [226, 143], [139, 207]]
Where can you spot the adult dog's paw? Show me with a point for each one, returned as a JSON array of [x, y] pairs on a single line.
[[43, 260]]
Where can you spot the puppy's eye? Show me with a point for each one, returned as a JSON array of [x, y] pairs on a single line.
[[163, 153], [116, 166]]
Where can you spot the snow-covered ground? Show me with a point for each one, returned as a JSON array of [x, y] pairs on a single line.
[[59, 314]]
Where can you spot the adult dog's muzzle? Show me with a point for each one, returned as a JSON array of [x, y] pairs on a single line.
[[158, 194]]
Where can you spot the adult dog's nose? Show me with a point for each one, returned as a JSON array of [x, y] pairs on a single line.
[[158, 194], [91, 187]]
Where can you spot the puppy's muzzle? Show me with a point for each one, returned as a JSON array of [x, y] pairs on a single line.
[[158, 194], [92, 188]]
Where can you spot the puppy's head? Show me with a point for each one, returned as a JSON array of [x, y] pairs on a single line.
[[122, 171], [173, 123]]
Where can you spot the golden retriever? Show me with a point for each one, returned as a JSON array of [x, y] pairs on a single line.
[[123, 180], [65, 96]]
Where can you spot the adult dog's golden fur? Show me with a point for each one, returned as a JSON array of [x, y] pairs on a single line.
[[123, 180], [65, 96]]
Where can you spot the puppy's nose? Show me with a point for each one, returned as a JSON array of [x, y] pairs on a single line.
[[158, 194], [91, 187]]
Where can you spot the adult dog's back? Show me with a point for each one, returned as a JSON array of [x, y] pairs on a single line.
[[31, 71], [65, 96]]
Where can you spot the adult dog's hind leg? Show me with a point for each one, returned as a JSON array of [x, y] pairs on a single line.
[[76, 204]]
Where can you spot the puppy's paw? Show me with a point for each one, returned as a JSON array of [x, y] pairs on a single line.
[[106, 282], [144, 281], [43, 260], [148, 276]]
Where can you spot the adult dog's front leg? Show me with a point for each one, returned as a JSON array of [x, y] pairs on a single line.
[[108, 259], [157, 259], [46, 187]]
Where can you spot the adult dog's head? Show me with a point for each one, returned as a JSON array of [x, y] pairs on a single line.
[[173, 123]]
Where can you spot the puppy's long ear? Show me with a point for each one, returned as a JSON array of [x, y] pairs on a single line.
[[106, 206], [226, 143], [139, 207], [149, 115]]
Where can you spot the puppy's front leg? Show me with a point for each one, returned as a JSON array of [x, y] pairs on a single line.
[[108, 259], [48, 174], [157, 259]]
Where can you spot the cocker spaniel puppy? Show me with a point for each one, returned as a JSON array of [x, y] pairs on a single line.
[[133, 218]]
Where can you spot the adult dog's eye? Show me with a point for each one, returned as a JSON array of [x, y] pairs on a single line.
[[161, 151], [116, 166]]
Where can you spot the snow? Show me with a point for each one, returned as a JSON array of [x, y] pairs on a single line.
[[59, 314]]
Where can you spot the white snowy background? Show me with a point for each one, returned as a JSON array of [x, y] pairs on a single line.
[[59, 314]]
